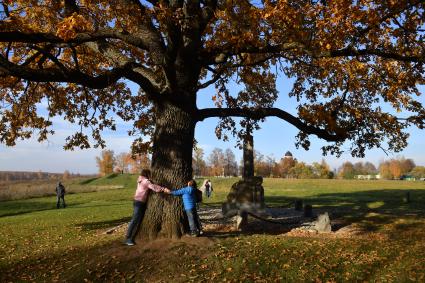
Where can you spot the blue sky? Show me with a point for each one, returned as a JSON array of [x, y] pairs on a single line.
[[277, 136], [273, 139]]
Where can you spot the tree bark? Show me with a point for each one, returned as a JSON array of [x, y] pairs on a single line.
[[172, 168]]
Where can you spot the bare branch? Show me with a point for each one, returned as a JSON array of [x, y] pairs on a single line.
[[50, 56], [255, 62], [6, 9], [214, 79]]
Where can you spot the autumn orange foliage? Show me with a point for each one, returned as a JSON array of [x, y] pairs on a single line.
[[347, 57]]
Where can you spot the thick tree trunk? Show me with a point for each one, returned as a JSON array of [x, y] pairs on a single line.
[[172, 168]]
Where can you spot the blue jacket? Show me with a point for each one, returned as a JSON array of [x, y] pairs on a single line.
[[188, 195]]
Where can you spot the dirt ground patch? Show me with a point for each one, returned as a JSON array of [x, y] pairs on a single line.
[[275, 221]]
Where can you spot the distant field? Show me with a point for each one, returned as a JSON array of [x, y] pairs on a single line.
[[41, 243], [327, 192], [38, 188]]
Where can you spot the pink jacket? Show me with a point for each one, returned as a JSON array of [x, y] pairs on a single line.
[[143, 187]]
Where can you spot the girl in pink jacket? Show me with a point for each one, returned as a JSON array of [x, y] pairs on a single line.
[[140, 199]]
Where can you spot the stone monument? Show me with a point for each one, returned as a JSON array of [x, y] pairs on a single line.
[[321, 225]]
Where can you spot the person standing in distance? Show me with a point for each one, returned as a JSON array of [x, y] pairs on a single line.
[[207, 188], [60, 194]]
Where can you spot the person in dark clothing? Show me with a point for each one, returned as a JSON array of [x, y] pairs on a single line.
[[60, 194], [207, 188]]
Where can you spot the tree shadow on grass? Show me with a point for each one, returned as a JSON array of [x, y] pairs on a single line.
[[384, 201], [112, 176], [166, 261], [157, 261], [14, 208], [88, 181], [88, 226], [371, 210]]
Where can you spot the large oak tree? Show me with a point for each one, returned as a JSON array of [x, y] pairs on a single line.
[[355, 65]]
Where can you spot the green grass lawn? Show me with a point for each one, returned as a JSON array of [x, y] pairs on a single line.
[[41, 243]]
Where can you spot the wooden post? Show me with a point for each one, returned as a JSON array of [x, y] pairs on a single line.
[[298, 205], [308, 210], [406, 199]]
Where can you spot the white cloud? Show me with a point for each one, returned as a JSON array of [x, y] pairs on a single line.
[[119, 143], [49, 156]]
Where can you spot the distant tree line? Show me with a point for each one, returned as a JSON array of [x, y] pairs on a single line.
[[219, 163], [349, 170], [396, 168], [223, 163], [121, 163]]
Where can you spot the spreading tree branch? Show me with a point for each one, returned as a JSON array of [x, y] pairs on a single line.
[[64, 75], [376, 52], [261, 113], [41, 37], [217, 75], [216, 57]]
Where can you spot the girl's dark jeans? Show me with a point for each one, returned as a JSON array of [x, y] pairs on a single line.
[[136, 220]]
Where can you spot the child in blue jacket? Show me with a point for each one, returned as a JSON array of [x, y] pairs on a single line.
[[189, 203]]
